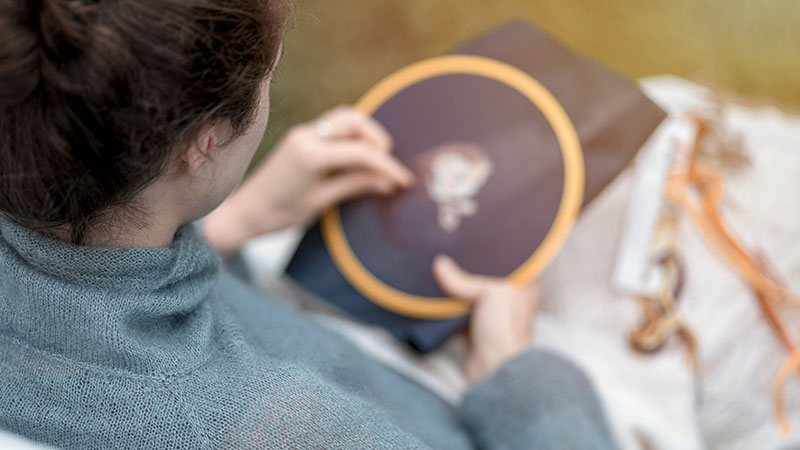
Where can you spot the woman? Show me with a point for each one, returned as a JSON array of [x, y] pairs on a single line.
[[121, 123]]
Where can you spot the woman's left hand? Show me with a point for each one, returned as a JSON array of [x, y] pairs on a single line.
[[343, 155]]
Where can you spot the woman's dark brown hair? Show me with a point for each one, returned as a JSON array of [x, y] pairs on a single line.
[[96, 95]]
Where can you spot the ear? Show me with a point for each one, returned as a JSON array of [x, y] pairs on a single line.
[[200, 150]]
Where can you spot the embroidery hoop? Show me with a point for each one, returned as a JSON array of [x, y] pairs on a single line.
[[423, 307]]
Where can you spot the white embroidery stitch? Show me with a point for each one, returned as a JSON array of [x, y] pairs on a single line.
[[454, 174]]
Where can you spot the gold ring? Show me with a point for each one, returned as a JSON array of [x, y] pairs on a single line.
[[324, 128]]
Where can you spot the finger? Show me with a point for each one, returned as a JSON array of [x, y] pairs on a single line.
[[352, 155], [356, 184], [528, 295], [529, 290], [351, 122], [458, 283]]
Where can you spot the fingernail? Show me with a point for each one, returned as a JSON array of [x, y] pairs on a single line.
[[441, 258], [408, 177]]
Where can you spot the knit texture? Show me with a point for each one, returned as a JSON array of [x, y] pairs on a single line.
[[163, 348]]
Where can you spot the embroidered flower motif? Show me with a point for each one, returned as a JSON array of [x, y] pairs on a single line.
[[454, 173]]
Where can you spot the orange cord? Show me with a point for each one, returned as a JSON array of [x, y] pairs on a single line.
[[707, 183], [791, 364]]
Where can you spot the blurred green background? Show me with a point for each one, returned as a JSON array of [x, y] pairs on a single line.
[[336, 50]]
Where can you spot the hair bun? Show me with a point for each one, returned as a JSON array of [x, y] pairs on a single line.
[[19, 57]]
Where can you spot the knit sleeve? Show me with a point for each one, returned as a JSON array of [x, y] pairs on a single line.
[[537, 400]]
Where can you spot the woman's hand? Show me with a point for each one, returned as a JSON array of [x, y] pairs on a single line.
[[502, 316], [317, 165]]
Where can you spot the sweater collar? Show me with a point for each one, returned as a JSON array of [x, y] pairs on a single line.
[[142, 310]]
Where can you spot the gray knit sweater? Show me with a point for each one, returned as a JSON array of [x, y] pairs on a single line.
[[162, 348]]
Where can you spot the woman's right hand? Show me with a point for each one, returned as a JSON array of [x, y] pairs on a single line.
[[502, 316], [307, 173]]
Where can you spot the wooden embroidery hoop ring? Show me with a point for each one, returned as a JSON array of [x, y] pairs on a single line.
[[423, 307]]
